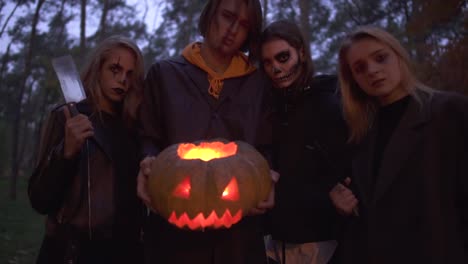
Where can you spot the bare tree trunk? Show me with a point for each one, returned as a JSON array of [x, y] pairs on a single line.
[[5, 60], [145, 13], [83, 28], [265, 12], [43, 103], [17, 115], [24, 131], [9, 17], [61, 35], [187, 27], [103, 24], [25, 154], [158, 6], [304, 6]]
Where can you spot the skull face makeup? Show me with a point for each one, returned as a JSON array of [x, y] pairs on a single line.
[[282, 62]]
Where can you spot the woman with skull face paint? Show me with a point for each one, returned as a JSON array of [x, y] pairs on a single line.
[[309, 139], [410, 166], [85, 180]]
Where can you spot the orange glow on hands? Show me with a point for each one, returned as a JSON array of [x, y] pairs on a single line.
[[231, 192], [183, 189], [207, 151]]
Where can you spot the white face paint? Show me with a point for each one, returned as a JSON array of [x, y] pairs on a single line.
[[281, 62]]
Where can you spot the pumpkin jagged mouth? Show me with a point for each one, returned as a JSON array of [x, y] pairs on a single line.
[[199, 221]]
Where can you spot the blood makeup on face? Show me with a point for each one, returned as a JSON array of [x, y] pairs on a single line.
[[115, 77], [115, 68]]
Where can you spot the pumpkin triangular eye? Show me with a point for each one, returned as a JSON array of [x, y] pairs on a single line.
[[183, 188], [231, 192]]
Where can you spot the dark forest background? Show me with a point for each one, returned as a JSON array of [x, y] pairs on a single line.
[[32, 32]]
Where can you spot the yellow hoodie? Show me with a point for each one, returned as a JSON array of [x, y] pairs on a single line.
[[239, 66]]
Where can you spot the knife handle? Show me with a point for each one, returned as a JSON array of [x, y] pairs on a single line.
[[72, 109]]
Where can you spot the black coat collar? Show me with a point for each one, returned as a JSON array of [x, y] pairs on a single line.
[[400, 146], [99, 137]]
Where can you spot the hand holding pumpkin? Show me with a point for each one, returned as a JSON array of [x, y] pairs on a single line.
[[77, 129], [269, 203], [142, 181], [208, 184], [343, 198]]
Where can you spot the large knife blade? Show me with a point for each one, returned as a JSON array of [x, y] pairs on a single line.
[[73, 92], [70, 82]]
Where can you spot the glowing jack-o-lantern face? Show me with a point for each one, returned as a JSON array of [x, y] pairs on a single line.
[[208, 184]]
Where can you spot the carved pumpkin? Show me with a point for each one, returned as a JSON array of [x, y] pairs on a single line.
[[208, 184]]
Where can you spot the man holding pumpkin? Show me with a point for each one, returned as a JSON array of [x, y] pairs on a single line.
[[211, 91]]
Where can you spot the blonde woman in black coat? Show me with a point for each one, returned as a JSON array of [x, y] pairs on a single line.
[[85, 180], [410, 168]]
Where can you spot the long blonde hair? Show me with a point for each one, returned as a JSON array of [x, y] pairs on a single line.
[[92, 72], [360, 108]]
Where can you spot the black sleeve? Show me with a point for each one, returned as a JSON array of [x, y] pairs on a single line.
[[150, 114], [264, 137], [462, 177], [463, 198], [53, 174]]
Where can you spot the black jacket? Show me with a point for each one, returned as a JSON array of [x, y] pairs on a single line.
[[310, 154], [111, 219], [417, 211], [178, 108]]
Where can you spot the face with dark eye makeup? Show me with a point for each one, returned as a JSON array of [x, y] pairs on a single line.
[[115, 77], [281, 62], [376, 69]]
